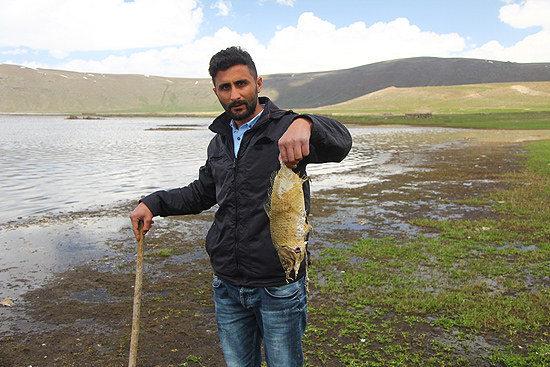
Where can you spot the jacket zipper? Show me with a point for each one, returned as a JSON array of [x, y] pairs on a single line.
[[235, 171]]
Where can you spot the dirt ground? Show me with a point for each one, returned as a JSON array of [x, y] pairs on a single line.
[[83, 316]]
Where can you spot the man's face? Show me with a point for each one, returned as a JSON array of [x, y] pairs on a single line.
[[237, 91]]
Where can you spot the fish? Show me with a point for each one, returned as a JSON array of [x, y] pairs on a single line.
[[288, 219]]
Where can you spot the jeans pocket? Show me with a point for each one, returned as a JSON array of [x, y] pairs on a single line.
[[284, 291]]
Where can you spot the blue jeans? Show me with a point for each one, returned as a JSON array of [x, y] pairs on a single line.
[[245, 316]]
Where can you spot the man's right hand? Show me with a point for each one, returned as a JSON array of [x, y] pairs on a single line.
[[141, 212]]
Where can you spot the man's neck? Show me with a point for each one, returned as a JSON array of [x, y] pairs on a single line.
[[258, 109]]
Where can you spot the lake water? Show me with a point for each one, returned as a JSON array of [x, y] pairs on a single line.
[[50, 164]]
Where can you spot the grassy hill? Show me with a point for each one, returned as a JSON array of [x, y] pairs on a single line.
[[29, 90], [390, 86], [472, 98]]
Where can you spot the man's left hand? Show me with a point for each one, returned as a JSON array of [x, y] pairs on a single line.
[[294, 144]]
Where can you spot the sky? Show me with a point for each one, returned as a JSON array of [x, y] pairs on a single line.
[[177, 37]]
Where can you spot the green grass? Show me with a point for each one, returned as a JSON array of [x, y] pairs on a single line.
[[477, 294], [165, 252], [495, 120]]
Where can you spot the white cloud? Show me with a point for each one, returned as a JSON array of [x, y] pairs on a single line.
[[315, 44], [166, 31], [281, 2], [189, 60], [293, 49], [533, 48], [17, 51], [58, 54], [223, 6], [286, 2], [526, 14], [69, 25]]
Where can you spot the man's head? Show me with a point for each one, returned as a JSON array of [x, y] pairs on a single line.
[[229, 57], [236, 84]]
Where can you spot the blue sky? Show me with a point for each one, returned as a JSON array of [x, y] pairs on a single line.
[[177, 37]]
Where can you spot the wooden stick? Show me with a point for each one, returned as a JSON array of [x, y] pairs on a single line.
[[137, 297]]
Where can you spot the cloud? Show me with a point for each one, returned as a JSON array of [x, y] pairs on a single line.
[[302, 48], [58, 54], [286, 2], [17, 51], [526, 14], [305, 47], [281, 2], [159, 37], [189, 60], [68, 25], [223, 6], [533, 48]]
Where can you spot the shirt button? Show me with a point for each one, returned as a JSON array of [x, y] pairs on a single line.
[[238, 138]]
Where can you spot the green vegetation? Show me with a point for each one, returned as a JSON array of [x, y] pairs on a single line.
[[165, 252], [497, 120], [477, 294]]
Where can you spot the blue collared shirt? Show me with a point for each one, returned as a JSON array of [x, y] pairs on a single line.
[[239, 132]]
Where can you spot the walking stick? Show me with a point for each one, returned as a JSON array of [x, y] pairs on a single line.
[[137, 298]]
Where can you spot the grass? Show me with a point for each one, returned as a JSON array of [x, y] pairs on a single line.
[[531, 120], [475, 295], [473, 98]]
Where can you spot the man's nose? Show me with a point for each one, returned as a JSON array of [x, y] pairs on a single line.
[[235, 95]]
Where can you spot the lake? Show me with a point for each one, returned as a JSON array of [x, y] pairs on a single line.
[[50, 164]]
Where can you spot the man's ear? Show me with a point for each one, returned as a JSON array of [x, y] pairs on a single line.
[[215, 91], [259, 84]]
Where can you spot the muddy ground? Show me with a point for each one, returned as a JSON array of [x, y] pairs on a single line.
[[83, 316]]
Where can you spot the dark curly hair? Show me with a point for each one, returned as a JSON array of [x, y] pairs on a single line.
[[229, 57]]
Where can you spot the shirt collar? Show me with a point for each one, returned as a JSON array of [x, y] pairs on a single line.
[[247, 125]]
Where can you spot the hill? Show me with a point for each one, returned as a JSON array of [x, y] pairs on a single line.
[[472, 98], [27, 90], [321, 89]]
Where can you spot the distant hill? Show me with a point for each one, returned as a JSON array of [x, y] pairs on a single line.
[[470, 98], [27, 90], [321, 89]]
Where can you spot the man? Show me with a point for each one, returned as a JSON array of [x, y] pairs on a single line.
[[253, 301]]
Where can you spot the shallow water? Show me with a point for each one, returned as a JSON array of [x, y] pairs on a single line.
[[50, 164]]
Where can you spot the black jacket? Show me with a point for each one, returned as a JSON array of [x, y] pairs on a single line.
[[239, 241]]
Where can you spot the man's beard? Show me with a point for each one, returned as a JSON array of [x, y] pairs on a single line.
[[250, 107]]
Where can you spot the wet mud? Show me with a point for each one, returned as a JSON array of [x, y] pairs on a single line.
[[77, 309]]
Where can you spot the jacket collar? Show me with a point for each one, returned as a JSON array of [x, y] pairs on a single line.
[[271, 112]]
